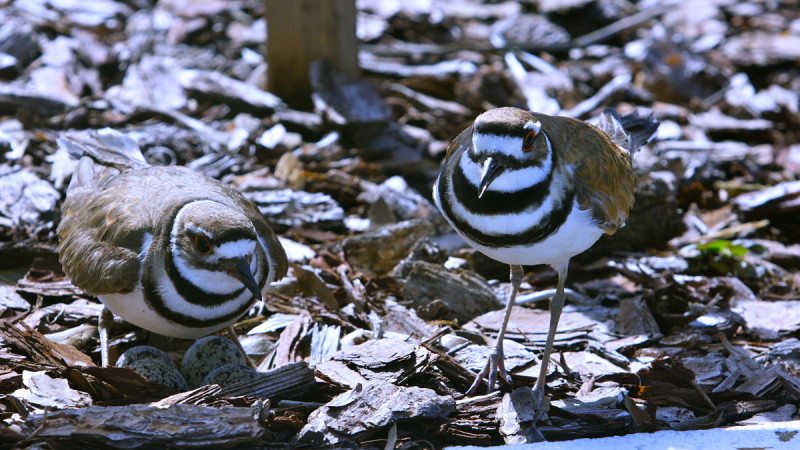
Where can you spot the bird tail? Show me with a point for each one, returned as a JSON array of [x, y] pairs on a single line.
[[101, 154], [630, 131], [105, 146]]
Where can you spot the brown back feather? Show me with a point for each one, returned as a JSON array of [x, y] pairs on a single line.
[[600, 170], [463, 140]]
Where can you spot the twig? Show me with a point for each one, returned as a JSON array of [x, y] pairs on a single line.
[[726, 233], [354, 289], [621, 25], [235, 339], [618, 83], [546, 294], [436, 335], [703, 394], [28, 439], [410, 49], [739, 354]]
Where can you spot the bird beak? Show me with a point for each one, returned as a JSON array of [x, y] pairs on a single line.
[[242, 272], [490, 171]]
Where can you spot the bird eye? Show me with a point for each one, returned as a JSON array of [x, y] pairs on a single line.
[[202, 244], [527, 143]]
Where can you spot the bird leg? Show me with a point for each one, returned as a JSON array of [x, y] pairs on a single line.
[[235, 339], [496, 364], [556, 305], [103, 324], [259, 307]]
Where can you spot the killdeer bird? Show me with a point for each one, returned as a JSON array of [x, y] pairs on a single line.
[[165, 248], [528, 189]]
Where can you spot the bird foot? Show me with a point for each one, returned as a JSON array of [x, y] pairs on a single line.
[[495, 366], [541, 405]]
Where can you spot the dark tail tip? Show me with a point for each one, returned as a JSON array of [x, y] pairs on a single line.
[[639, 128]]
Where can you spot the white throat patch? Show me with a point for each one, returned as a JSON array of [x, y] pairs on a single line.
[[511, 180]]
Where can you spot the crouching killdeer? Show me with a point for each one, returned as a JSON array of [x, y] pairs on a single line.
[[164, 248], [527, 189]]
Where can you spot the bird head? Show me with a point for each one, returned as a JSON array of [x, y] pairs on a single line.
[[213, 237], [505, 140]]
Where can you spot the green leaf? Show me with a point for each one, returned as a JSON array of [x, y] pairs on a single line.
[[724, 247]]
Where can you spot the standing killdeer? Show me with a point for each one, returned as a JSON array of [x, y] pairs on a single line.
[[164, 248], [527, 188]]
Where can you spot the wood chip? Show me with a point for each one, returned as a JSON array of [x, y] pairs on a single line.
[[291, 381], [376, 404], [38, 349], [142, 425], [45, 391]]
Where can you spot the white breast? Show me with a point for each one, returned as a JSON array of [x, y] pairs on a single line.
[[576, 235], [132, 308]]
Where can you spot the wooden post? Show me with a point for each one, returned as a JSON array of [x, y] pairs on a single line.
[[301, 31]]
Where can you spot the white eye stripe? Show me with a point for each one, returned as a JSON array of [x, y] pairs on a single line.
[[233, 249], [189, 226], [176, 222], [506, 145], [533, 125], [196, 229]]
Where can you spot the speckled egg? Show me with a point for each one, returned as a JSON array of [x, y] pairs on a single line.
[[154, 365], [230, 374], [140, 352], [207, 354]]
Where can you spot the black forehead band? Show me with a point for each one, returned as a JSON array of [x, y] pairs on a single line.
[[233, 235], [510, 129]]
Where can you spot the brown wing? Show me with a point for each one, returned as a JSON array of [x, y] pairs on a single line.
[[601, 171], [99, 238], [462, 141]]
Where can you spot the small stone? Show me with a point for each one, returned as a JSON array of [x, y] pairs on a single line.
[[378, 251], [439, 293], [295, 251]]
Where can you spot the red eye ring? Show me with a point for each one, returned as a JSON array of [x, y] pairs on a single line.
[[528, 141], [202, 244]]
